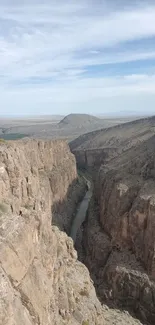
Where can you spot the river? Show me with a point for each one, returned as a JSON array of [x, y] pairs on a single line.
[[81, 212]]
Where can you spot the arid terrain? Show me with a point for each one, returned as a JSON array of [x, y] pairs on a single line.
[[77, 162], [53, 127], [106, 206], [94, 148]]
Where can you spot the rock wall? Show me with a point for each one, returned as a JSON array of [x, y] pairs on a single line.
[[23, 165], [120, 279], [93, 158], [126, 195], [41, 281], [119, 235]]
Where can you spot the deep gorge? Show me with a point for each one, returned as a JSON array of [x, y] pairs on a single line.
[[42, 281], [118, 233]]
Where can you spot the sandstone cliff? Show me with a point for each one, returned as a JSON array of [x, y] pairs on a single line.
[[120, 231]]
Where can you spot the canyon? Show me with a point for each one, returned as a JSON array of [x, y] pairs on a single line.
[[118, 233], [41, 280]]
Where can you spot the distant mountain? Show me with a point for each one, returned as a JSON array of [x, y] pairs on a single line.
[[68, 128], [79, 120]]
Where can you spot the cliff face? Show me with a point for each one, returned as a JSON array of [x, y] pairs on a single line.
[[93, 158], [27, 164], [120, 234], [41, 281], [127, 202]]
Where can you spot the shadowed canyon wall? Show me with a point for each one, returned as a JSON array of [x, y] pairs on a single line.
[[119, 235], [93, 158]]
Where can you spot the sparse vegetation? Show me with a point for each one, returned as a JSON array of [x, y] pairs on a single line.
[[84, 292], [28, 206], [2, 140], [12, 136], [3, 208], [68, 128], [85, 322]]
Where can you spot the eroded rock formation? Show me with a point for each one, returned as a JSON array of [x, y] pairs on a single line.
[[119, 234]]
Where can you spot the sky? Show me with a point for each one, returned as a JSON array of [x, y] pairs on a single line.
[[85, 56]]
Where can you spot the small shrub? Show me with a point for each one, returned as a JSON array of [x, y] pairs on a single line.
[[2, 140], [84, 292], [3, 208], [85, 322]]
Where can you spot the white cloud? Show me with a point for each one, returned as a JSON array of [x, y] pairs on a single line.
[[59, 42]]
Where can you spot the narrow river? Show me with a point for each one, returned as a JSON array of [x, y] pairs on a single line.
[[81, 212]]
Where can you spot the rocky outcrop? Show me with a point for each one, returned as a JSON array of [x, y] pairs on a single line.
[[119, 236]]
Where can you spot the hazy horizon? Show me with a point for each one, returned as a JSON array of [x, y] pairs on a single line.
[[94, 57], [59, 116]]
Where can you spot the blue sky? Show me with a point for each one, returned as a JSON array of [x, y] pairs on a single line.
[[83, 56]]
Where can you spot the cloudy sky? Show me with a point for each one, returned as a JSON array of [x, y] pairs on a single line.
[[77, 56]]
